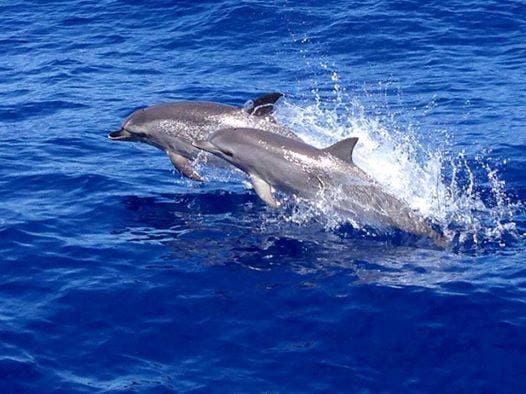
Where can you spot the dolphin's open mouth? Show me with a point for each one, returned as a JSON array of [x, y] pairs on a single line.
[[119, 135]]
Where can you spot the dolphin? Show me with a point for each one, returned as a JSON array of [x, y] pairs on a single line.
[[278, 163], [172, 127]]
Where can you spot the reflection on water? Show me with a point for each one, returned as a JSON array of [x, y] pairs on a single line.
[[226, 228]]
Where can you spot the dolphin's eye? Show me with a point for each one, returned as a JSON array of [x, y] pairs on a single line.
[[228, 153]]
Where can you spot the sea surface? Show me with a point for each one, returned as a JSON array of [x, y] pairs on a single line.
[[118, 275]]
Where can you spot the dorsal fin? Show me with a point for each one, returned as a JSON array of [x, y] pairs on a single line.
[[343, 149], [263, 105]]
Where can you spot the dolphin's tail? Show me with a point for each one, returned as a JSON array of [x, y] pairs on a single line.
[[424, 228], [412, 222], [439, 240]]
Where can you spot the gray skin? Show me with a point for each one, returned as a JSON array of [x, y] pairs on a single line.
[[275, 162], [172, 127]]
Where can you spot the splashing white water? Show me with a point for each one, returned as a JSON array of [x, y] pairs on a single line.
[[441, 186]]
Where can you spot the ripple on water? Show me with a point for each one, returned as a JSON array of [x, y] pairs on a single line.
[[119, 275]]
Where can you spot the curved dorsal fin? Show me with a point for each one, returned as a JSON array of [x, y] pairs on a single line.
[[343, 149], [263, 105]]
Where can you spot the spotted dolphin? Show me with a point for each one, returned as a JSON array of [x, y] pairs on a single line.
[[278, 163], [172, 127]]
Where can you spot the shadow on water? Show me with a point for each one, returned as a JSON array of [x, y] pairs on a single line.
[[235, 230]]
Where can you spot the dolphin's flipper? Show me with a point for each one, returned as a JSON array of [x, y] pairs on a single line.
[[264, 191], [343, 149], [182, 164], [263, 105]]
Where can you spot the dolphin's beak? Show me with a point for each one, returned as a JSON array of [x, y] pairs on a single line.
[[120, 135], [204, 145]]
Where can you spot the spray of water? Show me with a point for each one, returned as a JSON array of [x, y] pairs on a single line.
[[465, 198]]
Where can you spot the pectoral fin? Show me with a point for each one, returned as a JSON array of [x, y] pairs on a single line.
[[264, 191], [183, 165]]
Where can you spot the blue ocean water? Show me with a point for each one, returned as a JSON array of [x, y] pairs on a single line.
[[118, 275]]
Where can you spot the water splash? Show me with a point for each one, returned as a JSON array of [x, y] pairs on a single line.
[[465, 197]]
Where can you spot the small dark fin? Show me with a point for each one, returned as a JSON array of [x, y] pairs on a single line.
[[343, 149], [263, 105]]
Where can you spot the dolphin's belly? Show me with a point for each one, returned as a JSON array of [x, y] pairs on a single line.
[[296, 181]]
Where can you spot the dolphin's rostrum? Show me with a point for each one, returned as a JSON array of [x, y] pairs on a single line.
[[173, 127], [275, 162]]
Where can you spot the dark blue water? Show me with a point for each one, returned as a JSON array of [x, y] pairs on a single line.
[[117, 275]]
